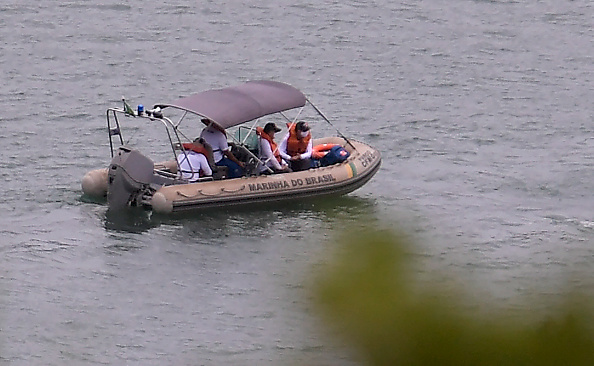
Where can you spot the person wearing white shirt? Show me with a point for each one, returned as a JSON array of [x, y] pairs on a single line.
[[193, 164], [222, 154], [269, 152]]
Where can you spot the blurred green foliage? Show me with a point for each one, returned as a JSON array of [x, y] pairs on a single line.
[[368, 293]]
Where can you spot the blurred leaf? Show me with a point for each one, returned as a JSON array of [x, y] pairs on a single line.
[[369, 295]]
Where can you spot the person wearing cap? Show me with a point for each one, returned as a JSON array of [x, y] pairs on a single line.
[[269, 152], [216, 137], [297, 146], [193, 163]]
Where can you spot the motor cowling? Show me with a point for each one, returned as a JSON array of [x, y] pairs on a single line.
[[129, 176]]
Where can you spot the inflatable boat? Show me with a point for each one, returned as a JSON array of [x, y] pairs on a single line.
[[133, 179]]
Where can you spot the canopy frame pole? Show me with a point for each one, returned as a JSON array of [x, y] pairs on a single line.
[[330, 123], [250, 130], [176, 125]]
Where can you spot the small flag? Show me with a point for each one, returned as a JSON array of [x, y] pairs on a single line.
[[127, 108]]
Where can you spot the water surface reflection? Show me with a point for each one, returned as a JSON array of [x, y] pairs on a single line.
[[248, 221]]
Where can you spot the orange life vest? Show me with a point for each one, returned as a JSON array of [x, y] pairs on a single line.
[[260, 132], [195, 148], [189, 146], [295, 144], [320, 150]]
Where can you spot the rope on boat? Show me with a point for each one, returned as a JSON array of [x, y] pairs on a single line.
[[201, 192], [233, 190]]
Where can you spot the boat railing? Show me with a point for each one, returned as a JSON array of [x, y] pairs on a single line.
[[114, 129]]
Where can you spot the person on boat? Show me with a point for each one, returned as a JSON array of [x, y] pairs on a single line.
[[216, 137], [297, 146], [269, 152], [193, 164]]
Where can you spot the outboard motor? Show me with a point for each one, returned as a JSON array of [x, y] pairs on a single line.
[[129, 178]]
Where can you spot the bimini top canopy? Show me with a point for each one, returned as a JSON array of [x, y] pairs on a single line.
[[235, 105]]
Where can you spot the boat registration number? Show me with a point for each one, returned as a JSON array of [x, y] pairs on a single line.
[[367, 158]]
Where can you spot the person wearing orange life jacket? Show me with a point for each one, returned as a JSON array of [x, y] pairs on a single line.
[[193, 164], [297, 146], [269, 153]]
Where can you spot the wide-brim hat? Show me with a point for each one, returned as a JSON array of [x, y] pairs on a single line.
[[210, 123]]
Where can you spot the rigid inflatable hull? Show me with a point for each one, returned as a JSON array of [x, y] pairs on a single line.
[[337, 179]]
